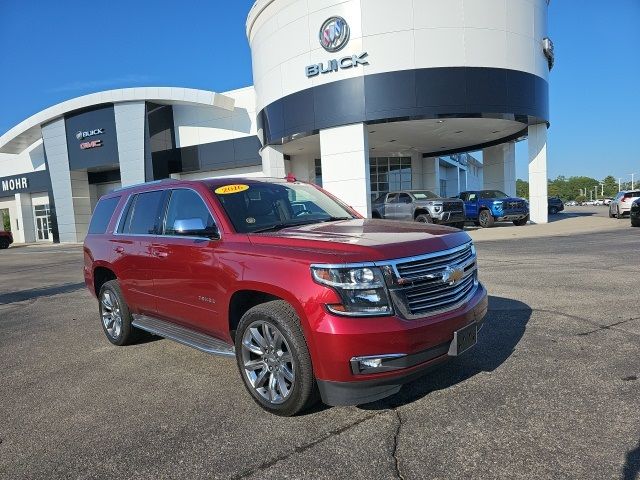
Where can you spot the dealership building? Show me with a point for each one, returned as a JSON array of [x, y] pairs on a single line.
[[361, 97]]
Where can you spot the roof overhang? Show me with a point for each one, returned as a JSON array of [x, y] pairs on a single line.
[[29, 131]]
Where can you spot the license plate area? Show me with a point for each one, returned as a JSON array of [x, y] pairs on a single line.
[[463, 340]]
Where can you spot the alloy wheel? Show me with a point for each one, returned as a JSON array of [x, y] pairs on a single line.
[[111, 314], [268, 362]]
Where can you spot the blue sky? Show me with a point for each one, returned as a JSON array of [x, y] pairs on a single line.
[[55, 50]]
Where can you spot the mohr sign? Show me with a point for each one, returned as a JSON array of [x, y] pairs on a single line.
[[15, 184]]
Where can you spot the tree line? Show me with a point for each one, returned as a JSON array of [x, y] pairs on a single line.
[[568, 188]]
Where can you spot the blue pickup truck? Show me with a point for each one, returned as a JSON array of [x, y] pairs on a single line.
[[485, 207]]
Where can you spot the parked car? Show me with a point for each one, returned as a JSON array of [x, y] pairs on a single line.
[[420, 206], [485, 207], [6, 239], [607, 201], [555, 205], [310, 298], [622, 203], [634, 213], [589, 203], [599, 202], [571, 203]]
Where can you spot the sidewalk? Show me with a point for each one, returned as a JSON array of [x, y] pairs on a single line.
[[574, 221]]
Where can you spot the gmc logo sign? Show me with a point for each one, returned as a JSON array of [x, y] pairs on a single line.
[[91, 144]]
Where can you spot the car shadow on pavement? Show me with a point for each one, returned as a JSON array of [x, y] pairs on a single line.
[[503, 328], [631, 469], [23, 295]]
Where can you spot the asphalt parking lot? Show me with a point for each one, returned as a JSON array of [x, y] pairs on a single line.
[[550, 391]]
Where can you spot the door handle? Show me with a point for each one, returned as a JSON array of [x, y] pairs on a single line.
[[119, 249], [160, 254]]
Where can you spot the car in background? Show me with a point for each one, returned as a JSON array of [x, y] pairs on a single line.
[[485, 207], [588, 203], [420, 206], [607, 201], [555, 205], [634, 213], [6, 239], [598, 203], [571, 203], [622, 203]]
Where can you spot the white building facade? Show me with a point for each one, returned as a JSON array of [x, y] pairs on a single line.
[[360, 96]]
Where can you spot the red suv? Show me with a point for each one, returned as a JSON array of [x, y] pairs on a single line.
[[312, 299]]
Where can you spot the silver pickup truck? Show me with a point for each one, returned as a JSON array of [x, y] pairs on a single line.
[[421, 206]]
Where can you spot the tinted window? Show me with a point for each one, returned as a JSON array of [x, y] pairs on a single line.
[[424, 195], [392, 198], [102, 215], [404, 198], [489, 194], [143, 215], [186, 205]]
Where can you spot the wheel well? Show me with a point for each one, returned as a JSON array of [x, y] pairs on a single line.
[[375, 214], [243, 300], [420, 212], [102, 275]]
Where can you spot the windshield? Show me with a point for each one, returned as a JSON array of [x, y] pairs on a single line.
[[424, 195], [270, 206], [485, 194]]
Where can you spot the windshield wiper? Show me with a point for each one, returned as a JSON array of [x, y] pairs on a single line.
[[280, 226]]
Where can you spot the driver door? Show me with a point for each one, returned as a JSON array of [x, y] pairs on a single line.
[[404, 207], [471, 205], [390, 206], [187, 274]]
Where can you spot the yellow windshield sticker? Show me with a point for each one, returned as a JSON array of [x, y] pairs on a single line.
[[227, 189]]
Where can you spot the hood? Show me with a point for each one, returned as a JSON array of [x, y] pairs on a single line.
[[364, 240]]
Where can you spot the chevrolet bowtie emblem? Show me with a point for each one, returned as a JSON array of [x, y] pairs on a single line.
[[452, 275]]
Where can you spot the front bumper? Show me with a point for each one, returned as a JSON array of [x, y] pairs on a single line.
[[511, 216], [424, 344], [448, 217]]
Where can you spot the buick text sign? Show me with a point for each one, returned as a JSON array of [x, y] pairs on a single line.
[[335, 65], [91, 139]]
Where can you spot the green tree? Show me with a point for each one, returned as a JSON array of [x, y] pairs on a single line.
[[610, 186], [522, 188]]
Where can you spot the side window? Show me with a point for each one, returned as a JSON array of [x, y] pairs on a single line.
[[473, 197], [102, 215], [186, 204], [392, 198], [143, 214], [404, 198], [464, 196]]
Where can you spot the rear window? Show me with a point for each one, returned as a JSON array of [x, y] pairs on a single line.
[[102, 215], [143, 214], [632, 194]]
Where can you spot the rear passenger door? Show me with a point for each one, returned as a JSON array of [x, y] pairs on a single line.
[[187, 272], [140, 222]]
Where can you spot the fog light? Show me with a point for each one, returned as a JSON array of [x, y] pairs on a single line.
[[377, 363]]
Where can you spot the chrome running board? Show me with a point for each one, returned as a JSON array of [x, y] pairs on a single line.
[[186, 336]]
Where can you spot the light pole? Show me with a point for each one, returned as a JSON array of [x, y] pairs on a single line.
[[602, 190], [632, 175], [596, 189], [619, 184]]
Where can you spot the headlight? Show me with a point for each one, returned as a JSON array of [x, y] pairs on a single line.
[[361, 289], [437, 209]]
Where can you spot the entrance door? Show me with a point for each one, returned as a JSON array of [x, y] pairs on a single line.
[[43, 223]]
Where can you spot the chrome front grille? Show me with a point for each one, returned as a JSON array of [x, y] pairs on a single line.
[[421, 287], [514, 205]]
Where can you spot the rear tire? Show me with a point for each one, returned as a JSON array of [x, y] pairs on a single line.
[[611, 215], [4, 243], [424, 218], [486, 220], [521, 222], [553, 210], [280, 375], [619, 215], [635, 223], [115, 316]]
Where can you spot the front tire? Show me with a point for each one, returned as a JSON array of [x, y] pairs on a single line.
[[115, 315], [635, 223], [4, 243], [553, 210], [486, 219], [424, 218], [273, 359], [521, 222], [619, 215]]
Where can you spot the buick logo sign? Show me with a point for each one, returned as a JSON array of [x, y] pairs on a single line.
[[98, 131], [334, 34]]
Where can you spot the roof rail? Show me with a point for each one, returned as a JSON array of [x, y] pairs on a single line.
[[153, 182]]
